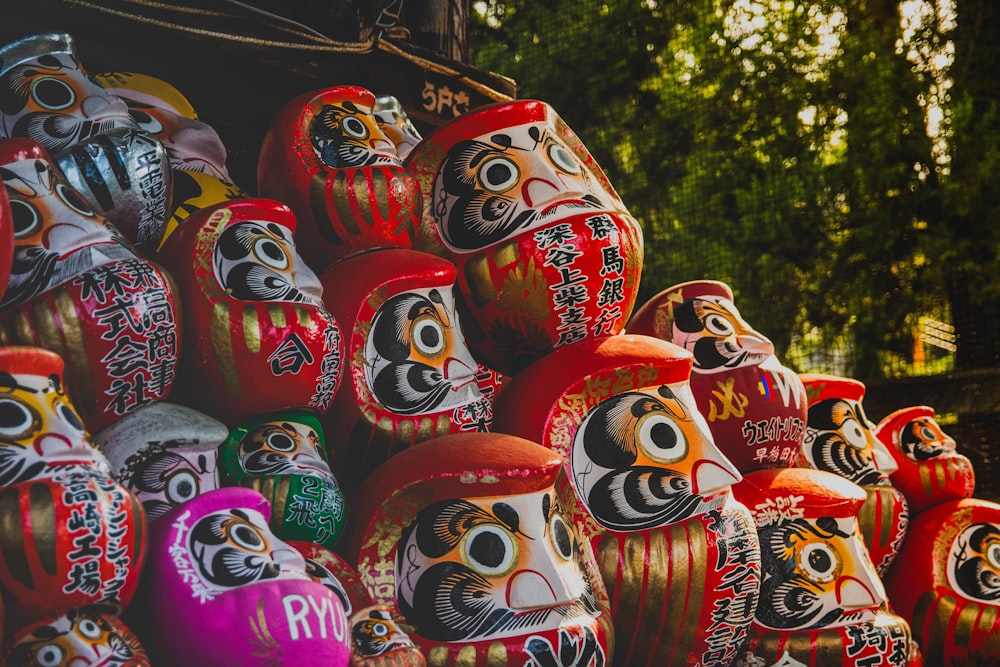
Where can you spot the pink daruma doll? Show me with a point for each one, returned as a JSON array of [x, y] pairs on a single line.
[[469, 539], [755, 407], [223, 590], [546, 252]]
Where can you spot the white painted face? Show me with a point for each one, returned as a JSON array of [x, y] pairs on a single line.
[[817, 573], [841, 439], [485, 568], [511, 181], [646, 458], [234, 547], [50, 99], [974, 563], [40, 431], [57, 235], [417, 358], [712, 329], [256, 260], [283, 447]]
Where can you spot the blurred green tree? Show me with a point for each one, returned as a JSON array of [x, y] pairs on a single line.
[[782, 147]]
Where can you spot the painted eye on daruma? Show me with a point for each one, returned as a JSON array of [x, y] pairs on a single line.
[[17, 420], [563, 159], [428, 336], [49, 655], [661, 439], [68, 415], [182, 487], [719, 325], [247, 537], [53, 94], [490, 550], [819, 562], [993, 555], [281, 442], [853, 433], [498, 174], [380, 630], [355, 127], [89, 629], [270, 253], [27, 220], [72, 198], [561, 536]]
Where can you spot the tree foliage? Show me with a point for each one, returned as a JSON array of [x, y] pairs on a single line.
[[780, 146]]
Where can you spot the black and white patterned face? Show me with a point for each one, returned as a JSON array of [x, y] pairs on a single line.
[[712, 329], [417, 357], [40, 431], [167, 478], [841, 439], [643, 459], [51, 100], [974, 563], [57, 235], [508, 182], [234, 547], [256, 260], [486, 568], [817, 573], [283, 447], [345, 133], [923, 439], [81, 638]]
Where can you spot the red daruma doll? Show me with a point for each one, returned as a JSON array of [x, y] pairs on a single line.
[[946, 581], [678, 556], [258, 337], [411, 374], [72, 536], [755, 407], [546, 252], [841, 439], [326, 156], [930, 470], [822, 603], [470, 540]]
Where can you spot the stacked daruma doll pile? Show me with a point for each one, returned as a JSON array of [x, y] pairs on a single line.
[[409, 373]]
